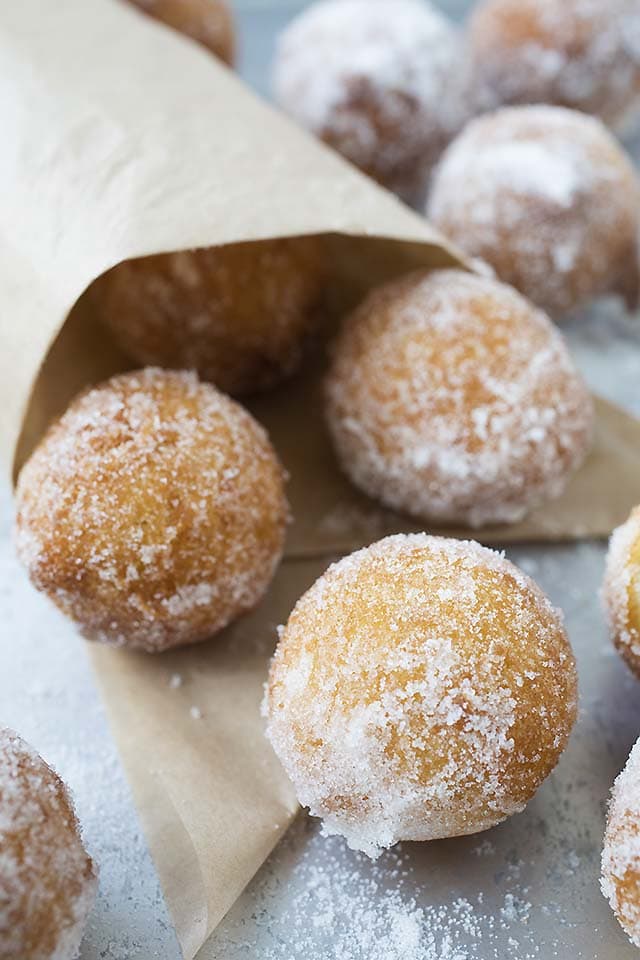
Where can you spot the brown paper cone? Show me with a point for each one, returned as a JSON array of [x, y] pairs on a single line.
[[122, 139], [211, 795]]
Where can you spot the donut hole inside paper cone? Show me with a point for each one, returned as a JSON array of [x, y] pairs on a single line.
[[330, 515]]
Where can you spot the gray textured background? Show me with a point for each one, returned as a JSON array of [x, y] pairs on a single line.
[[529, 887]]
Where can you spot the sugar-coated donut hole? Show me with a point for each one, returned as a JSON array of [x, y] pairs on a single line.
[[422, 688], [240, 315], [382, 82], [47, 880], [621, 590], [153, 511], [583, 54], [548, 198], [620, 881], [451, 398], [210, 22]]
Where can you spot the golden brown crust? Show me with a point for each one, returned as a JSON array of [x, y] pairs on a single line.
[[210, 22], [382, 83], [239, 315], [549, 199], [621, 590], [620, 880], [153, 512], [451, 398], [47, 880], [422, 688], [572, 53]]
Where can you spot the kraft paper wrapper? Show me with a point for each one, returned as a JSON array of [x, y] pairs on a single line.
[[121, 139]]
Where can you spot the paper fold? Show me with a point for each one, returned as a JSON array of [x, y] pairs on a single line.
[[123, 139]]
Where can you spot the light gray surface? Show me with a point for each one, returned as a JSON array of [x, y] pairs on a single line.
[[314, 898], [48, 694]]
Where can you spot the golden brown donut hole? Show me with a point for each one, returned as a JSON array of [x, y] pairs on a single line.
[[620, 880], [548, 199], [422, 688], [581, 54], [621, 591], [153, 511], [451, 398], [240, 315], [381, 82], [47, 880]]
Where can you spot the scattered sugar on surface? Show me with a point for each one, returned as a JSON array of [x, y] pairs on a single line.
[[130, 917], [379, 913], [515, 909], [485, 848], [573, 862]]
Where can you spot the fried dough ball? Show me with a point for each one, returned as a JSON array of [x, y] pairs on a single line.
[[239, 315], [210, 22], [47, 880], [453, 399], [620, 881], [621, 590], [548, 198], [381, 81], [422, 688], [153, 511], [583, 54]]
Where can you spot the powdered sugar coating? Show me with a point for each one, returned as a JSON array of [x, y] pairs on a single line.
[[621, 590], [620, 881], [382, 81], [153, 512], [210, 22], [452, 399], [583, 54], [240, 315], [47, 880], [422, 688], [548, 198]]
